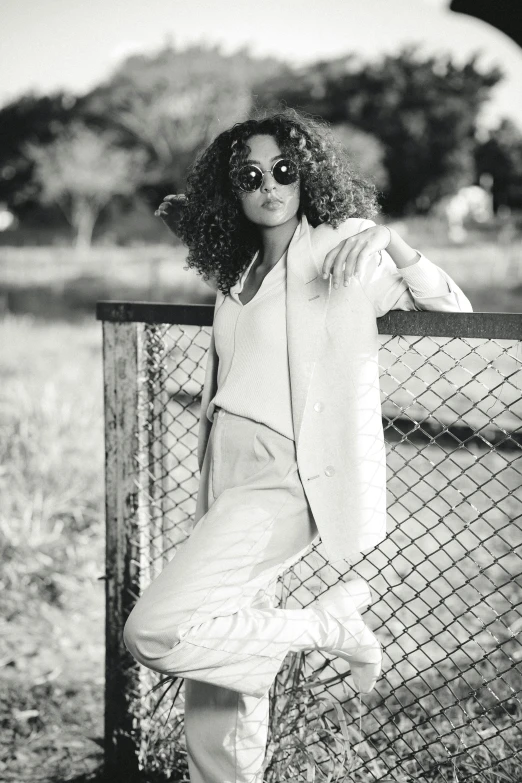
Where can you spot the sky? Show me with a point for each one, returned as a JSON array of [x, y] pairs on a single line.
[[74, 44]]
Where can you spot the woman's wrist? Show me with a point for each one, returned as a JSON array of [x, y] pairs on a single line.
[[401, 253]]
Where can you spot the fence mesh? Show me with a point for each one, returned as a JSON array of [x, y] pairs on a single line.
[[447, 579]]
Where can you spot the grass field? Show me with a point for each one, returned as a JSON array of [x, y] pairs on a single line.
[[54, 283], [52, 550], [52, 514]]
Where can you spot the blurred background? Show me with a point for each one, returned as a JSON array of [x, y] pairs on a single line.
[[103, 107], [102, 115]]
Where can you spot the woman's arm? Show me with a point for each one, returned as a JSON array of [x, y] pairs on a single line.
[[393, 275], [402, 254]]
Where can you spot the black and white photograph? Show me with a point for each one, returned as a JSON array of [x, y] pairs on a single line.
[[261, 391]]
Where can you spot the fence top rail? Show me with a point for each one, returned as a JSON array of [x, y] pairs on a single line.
[[507, 326]]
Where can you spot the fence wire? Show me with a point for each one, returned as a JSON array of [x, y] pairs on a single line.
[[447, 579]]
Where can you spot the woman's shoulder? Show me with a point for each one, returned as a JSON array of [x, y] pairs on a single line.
[[325, 234], [348, 227]]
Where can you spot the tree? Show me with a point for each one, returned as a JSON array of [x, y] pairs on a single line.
[[172, 103], [28, 119], [423, 109], [82, 171], [501, 156], [365, 150]]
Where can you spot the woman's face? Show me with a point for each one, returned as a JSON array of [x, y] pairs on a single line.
[[272, 204]]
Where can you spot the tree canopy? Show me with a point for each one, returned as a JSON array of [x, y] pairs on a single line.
[[82, 171], [501, 153], [423, 109], [409, 119], [174, 102]]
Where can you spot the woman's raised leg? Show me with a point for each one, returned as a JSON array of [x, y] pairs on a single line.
[[225, 731]]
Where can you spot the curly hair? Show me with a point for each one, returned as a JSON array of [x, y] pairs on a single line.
[[221, 240]]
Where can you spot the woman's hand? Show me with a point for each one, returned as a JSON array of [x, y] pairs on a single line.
[[170, 211], [347, 258]]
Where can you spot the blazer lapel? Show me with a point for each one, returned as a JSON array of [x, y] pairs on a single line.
[[209, 388], [306, 307]]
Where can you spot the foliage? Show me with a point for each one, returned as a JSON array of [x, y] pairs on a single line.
[[422, 109], [82, 171], [409, 120], [38, 120], [501, 156], [174, 102], [365, 150]]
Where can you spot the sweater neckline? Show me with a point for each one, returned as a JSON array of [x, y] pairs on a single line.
[[239, 285]]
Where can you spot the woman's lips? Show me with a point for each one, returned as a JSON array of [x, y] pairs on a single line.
[[272, 205]]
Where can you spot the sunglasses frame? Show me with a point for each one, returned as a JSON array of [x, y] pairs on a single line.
[[263, 172]]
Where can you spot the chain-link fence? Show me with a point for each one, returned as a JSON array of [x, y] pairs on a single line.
[[448, 577]]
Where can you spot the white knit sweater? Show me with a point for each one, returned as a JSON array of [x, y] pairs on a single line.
[[251, 343], [253, 372]]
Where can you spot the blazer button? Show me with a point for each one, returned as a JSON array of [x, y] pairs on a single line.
[[329, 470], [318, 407]]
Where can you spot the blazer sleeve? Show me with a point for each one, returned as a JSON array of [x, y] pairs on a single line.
[[420, 286]]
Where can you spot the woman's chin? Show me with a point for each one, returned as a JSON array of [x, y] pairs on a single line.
[[270, 218]]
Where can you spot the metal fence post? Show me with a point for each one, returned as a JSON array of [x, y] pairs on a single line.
[[122, 677]]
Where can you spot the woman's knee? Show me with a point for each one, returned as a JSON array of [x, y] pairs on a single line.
[[148, 643]]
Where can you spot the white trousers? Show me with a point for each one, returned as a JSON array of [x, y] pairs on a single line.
[[210, 616]]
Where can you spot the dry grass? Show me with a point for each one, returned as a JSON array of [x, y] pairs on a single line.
[[52, 550], [54, 282]]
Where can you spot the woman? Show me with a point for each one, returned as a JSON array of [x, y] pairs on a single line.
[[290, 437]]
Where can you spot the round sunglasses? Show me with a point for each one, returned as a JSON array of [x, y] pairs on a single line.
[[249, 177]]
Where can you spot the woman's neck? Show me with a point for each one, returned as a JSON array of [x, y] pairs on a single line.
[[275, 241]]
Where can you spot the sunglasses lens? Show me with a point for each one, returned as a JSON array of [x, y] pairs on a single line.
[[285, 172], [249, 178]]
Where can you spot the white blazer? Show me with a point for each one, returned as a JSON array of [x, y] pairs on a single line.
[[333, 350]]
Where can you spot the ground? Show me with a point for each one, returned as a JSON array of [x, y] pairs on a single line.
[[52, 532]]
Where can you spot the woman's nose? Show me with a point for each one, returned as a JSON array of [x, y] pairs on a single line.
[[269, 182]]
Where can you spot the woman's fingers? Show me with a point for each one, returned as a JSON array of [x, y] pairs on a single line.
[[175, 197], [171, 206], [347, 259], [170, 211], [342, 261]]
